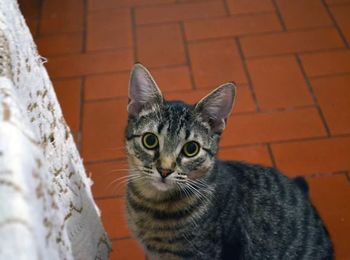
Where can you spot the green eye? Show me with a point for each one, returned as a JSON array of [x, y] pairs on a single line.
[[150, 141], [191, 149]]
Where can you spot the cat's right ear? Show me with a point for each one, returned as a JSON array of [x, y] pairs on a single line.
[[143, 90]]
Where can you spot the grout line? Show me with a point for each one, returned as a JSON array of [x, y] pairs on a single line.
[[92, 52], [84, 32], [200, 88], [324, 174], [57, 34], [330, 75], [314, 98], [305, 139], [201, 19], [269, 149], [337, 4], [340, 32], [299, 53], [240, 15], [80, 128], [228, 37], [246, 71], [264, 33], [227, 8], [187, 54], [278, 12], [116, 71], [51, 34], [234, 114], [297, 30], [347, 175], [134, 34], [216, 17]]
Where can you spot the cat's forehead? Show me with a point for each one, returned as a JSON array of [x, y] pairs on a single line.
[[177, 116], [174, 120]]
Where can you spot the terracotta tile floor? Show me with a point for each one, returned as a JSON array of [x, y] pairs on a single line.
[[291, 60]]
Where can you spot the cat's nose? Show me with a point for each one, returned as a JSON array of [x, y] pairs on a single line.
[[164, 172]]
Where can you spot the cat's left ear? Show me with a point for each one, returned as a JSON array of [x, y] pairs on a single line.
[[217, 105], [143, 90]]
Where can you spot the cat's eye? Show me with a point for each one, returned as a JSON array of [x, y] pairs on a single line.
[[191, 149], [150, 141]]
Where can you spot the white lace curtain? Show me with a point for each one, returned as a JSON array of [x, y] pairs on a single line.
[[46, 206]]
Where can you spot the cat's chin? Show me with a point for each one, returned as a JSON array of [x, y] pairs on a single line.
[[162, 186]]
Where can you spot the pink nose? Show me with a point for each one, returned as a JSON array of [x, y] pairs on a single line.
[[164, 172]]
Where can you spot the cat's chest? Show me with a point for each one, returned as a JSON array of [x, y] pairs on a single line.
[[145, 216]]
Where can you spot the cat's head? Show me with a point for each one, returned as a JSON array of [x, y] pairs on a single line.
[[170, 143]]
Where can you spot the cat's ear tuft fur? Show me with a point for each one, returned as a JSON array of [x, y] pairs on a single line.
[[217, 105], [143, 90]]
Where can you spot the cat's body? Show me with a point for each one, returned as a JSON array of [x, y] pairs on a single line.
[[185, 204]]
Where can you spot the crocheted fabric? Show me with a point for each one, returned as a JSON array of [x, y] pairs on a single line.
[[46, 206]]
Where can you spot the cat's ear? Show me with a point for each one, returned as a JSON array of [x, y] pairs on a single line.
[[143, 90], [216, 107]]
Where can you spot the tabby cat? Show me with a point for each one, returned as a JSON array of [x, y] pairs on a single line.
[[184, 203]]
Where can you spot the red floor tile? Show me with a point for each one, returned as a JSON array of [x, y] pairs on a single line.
[[179, 12], [291, 42], [250, 6], [278, 82], [114, 217], [272, 127], [109, 85], [61, 16], [109, 29], [154, 43], [253, 154], [232, 26], [331, 196], [103, 130], [326, 63], [221, 63], [90, 63], [126, 249], [313, 156], [108, 178], [317, 15], [172, 79], [60, 44], [333, 94], [69, 96]]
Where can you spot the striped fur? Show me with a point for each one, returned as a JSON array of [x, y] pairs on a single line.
[[207, 208]]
